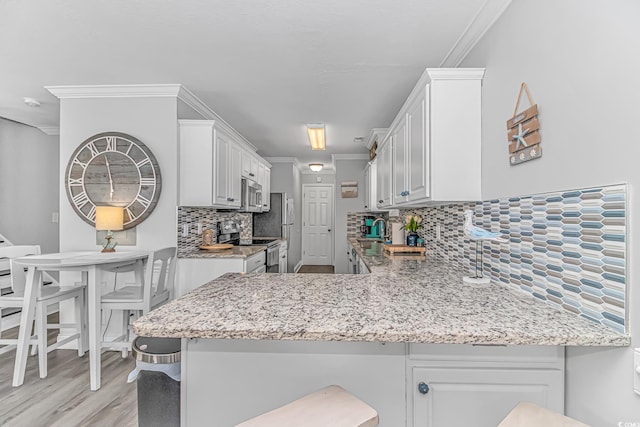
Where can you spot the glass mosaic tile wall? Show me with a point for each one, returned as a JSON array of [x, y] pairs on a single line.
[[566, 248], [208, 217]]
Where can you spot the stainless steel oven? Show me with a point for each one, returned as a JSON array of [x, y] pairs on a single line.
[[251, 196]]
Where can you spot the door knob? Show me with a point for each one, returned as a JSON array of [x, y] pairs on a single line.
[[423, 388]]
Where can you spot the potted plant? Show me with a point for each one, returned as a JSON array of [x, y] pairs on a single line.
[[412, 223]]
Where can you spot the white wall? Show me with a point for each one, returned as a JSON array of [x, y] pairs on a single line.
[[326, 177], [581, 60], [346, 170], [151, 120], [29, 182]]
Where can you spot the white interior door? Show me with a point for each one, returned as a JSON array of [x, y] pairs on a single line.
[[317, 225]]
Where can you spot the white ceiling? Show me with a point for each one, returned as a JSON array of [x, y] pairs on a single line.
[[267, 67]]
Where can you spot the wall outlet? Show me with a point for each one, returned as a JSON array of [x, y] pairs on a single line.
[[55, 217], [438, 232], [199, 229], [185, 230]]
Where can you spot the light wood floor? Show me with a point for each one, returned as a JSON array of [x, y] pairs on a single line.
[[323, 269], [63, 398]]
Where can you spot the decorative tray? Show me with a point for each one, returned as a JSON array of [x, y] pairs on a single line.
[[398, 249], [216, 247]]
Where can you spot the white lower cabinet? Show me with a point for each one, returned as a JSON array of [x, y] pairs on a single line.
[[463, 385], [195, 272]]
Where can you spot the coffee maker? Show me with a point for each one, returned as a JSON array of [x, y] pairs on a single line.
[[368, 229]]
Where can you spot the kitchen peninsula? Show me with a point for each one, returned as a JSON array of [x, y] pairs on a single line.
[[252, 342]]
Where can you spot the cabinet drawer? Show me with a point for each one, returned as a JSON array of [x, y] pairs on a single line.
[[254, 262], [486, 355]]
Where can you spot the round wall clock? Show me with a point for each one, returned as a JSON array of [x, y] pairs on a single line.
[[113, 169]]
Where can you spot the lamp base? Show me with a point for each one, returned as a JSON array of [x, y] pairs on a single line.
[[108, 246], [477, 281]]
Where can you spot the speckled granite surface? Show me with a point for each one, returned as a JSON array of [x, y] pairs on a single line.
[[235, 252], [402, 300]]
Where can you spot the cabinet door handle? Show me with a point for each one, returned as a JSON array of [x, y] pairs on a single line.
[[230, 199], [250, 174], [380, 201], [423, 388]]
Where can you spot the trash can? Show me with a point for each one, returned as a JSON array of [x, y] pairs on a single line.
[[158, 381]]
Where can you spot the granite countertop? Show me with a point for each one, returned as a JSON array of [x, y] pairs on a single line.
[[402, 300], [235, 252]]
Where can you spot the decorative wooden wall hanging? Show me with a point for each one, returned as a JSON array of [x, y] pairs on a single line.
[[523, 131]]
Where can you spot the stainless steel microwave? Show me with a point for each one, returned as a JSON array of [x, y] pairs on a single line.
[[251, 196]]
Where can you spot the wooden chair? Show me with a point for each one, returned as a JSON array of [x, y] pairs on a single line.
[[331, 406], [527, 414], [47, 295], [155, 290]]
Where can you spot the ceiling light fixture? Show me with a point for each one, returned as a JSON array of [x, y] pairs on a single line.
[[316, 167], [31, 102], [316, 135]]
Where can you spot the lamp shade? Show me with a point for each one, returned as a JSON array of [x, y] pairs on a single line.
[[316, 136], [109, 218], [316, 167]]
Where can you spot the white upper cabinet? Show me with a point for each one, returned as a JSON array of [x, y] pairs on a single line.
[[399, 161], [370, 185], [435, 141], [417, 162], [210, 165], [250, 165], [266, 189], [383, 174], [234, 188]]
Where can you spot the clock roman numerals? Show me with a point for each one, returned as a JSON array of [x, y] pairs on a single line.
[[116, 169], [80, 199], [111, 143], [129, 213], [94, 150], [77, 161], [143, 200], [143, 162]]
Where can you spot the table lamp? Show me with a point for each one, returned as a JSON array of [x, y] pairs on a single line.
[[109, 218]]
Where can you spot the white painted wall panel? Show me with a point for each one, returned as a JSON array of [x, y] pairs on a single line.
[[581, 66]]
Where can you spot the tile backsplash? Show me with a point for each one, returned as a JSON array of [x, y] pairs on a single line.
[[208, 217], [566, 248]]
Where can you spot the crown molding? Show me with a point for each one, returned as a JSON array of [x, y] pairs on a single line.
[[281, 159], [479, 25], [292, 160], [115, 91], [50, 130], [335, 157], [377, 134], [455, 73], [148, 91]]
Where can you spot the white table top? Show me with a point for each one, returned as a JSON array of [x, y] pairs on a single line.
[[78, 258]]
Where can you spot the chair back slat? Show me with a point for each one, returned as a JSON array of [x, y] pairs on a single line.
[[159, 275], [18, 274]]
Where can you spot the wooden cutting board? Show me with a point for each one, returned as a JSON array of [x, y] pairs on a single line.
[[398, 249]]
